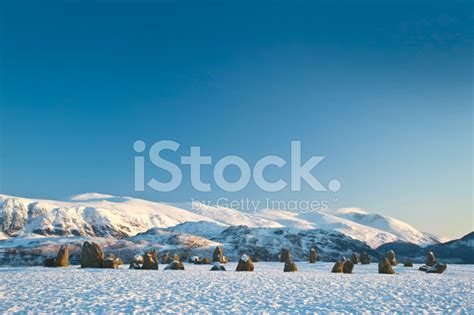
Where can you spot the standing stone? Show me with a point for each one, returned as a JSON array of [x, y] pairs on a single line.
[[165, 258], [245, 263], [337, 268], [205, 261], [392, 258], [364, 258], [347, 266], [290, 267], [92, 255], [407, 263], [61, 259], [439, 267], [110, 263], [175, 265], [176, 258], [430, 259], [217, 255], [285, 255], [355, 259], [217, 267], [150, 260], [385, 266], [312, 256]]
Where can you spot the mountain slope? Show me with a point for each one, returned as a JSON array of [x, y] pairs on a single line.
[[101, 215]]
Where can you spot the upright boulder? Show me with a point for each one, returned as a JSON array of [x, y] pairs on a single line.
[[285, 255], [337, 268], [166, 259], [355, 259], [392, 258], [364, 258], [61, 259], [150, 260], [438, 267], [217, 267], [111, 263], [217, 255], [290, 267], [430, 259], [205, 261], [175, 265], [245, 263], [313, 255], [92, 255], [347, 266], [385, 267], [137, 262]]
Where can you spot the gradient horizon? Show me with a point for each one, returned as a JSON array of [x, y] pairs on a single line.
[[382, 90]]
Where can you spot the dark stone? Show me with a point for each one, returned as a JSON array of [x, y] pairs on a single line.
[[290, 267], [355, 259], [337, 268], [391, 258], [175, 265], [313, 255], [205, 261], [92, 255], [150, 260], [407, 263], [217, 255], [347, 266], [217, 267], [430, 259], [385, 267], [166, 259], [439, 267], [285, 255], [364, 258], [245, 264]]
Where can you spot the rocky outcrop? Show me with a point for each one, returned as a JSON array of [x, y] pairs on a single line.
[[245, 263], [285, 255], [364, 258], [92, 255], [290, 267], [391, 258], [407, 263], [61, 259], [385, 267], [313, 255]]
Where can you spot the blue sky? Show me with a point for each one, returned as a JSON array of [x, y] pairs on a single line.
[[382, 90]]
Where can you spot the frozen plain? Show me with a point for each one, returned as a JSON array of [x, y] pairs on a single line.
[[312, 289]]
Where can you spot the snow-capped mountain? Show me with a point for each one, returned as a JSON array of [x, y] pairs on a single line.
[[102, 215]]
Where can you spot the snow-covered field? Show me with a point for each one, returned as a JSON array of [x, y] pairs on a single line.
[[313, 288]]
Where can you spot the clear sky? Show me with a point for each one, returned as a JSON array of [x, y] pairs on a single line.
[[382, 89]]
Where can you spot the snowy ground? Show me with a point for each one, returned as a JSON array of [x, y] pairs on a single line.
[[196, 289]]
